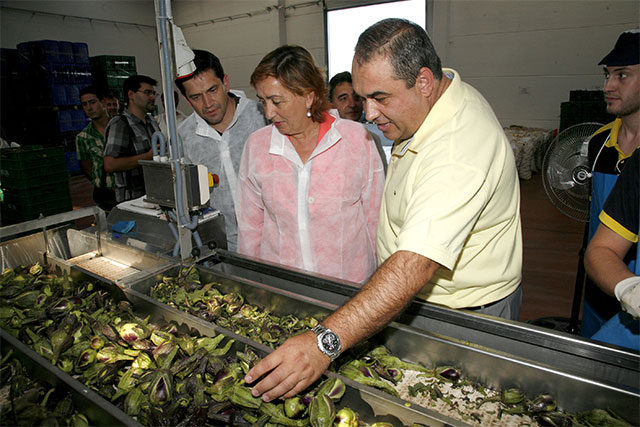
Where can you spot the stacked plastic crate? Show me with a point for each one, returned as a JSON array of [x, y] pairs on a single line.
[[52, 73], [34, 182], [110, 71], [584, 106], [10, 117]]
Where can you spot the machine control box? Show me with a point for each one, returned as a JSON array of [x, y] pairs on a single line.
[[158, 182]]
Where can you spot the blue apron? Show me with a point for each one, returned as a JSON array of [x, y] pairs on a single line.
[[601, 186], [622, 329]]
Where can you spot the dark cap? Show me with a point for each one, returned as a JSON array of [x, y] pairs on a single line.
[[626, 50]]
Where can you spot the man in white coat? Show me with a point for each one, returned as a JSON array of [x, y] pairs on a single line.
[[215, 134]]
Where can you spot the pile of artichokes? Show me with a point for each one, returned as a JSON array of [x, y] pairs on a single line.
[[32, 402], [368, 365], [153, 372]]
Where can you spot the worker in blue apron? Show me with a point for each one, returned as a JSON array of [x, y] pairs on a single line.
[[608, 151], [604, 259]]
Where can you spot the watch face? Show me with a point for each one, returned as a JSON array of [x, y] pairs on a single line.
[[330, 342]]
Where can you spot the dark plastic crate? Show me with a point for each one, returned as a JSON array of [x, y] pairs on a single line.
[[81, 53], [65, 122], [81, 74], [12, 213], [104, 63], [24, 53], [46, 193], [8, 62], [45, 51], [55, 95], [29, 156], [65, 52], [586, 95], [73, 94], [50, 73], [79, 120], [34, 181], [71, 159]]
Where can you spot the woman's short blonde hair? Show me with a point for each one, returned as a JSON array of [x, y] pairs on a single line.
[[295, 69]]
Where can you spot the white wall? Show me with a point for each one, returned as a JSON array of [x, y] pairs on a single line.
[[102, 38], [523, 55], [242, 42]]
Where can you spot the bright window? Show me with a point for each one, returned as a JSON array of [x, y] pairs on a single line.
[[344, 26]]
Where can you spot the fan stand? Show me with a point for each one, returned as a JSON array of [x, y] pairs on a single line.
[[581, 176], [572, 324]]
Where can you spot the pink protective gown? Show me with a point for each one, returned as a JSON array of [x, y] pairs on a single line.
[[320, 216]]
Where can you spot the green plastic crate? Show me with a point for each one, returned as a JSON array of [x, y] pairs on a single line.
[[45, 194], [38, 171], [28, 182], [30, 157], [113, 62], [12, 213]]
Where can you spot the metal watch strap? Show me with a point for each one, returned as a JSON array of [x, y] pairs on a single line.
[[320, 331]]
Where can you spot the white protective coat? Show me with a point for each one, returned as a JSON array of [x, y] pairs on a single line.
[[319, 216]]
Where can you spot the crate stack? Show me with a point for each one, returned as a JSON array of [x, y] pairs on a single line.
[[34, 182], [10, 116], [51, 75], [110, 71], [584, 106]]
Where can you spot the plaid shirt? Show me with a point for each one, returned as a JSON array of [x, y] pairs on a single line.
[[90, 146], [128, 136]]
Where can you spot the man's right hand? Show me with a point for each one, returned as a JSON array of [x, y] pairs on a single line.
[[628, 293]]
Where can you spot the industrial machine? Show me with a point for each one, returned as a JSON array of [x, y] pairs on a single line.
[[497, 353], [581, 374], [174, 216]]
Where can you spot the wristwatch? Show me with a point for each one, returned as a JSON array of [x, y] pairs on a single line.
[[328, 342]]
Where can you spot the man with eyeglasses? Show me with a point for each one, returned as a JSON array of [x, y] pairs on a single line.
[[129, 137], [609, 150]]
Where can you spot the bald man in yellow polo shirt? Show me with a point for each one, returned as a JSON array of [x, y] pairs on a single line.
[[449, 229]]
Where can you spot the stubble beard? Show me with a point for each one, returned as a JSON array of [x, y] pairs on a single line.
[[625, 109]]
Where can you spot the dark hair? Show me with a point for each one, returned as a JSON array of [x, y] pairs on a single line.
[[343, 77], [133, 83], [296, 70], [204, 61], [405, 44], [93, 90], [111, 94]]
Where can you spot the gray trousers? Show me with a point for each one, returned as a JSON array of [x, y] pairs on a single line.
[[507, 307]]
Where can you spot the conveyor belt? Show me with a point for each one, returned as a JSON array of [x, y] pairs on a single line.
[[103, 266]]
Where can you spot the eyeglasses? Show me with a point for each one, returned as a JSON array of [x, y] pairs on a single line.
[[148, 92]]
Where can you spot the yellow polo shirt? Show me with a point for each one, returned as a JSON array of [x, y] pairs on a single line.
[[452, 195]]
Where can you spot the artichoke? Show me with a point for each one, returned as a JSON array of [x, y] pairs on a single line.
[[134, 401], [542, 403], [322, 411], [110, 354], [86, 358], [125, 385], [346, 417], [294, 407], [333, 387], [142, 363], [131, 332], [242, 396], [160, 391]]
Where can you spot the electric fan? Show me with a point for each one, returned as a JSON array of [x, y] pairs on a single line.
[[566, 176], [566, 173]]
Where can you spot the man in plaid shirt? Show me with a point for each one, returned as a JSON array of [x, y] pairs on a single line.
[[129, 137], [90, 148]]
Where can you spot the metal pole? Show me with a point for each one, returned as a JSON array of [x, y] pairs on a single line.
[[167, 67]]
